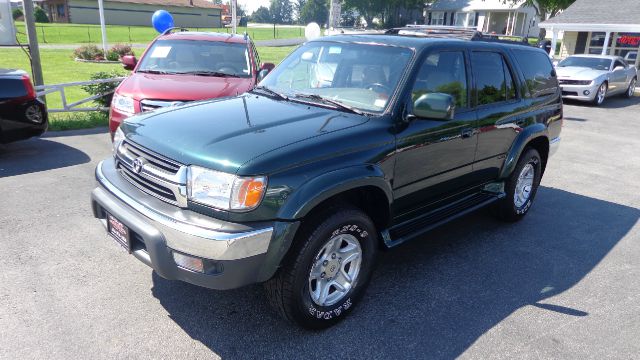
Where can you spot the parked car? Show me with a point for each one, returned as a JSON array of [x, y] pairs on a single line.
[[352, 144], [184, 66], [22, 114], [631, 57], [595, 77]]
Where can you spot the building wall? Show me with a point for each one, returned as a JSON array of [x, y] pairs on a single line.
[[86, 12], [568, 46]]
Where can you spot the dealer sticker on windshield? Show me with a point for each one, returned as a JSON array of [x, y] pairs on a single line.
[[161, 51]]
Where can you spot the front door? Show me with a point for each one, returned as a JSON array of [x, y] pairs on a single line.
[[434, 157], [618, 77]]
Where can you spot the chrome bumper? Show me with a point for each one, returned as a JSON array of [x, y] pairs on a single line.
[[183, 230]]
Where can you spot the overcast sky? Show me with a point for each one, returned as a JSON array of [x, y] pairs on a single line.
[[252, 5]]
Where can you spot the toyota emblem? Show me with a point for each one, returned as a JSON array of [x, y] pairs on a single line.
[[138, 163]]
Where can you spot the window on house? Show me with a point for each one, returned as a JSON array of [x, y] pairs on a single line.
[[437, 18], [60, 10], [465, 19]]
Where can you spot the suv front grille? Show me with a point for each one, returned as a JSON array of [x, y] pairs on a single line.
[[153, 174], [150, 105]]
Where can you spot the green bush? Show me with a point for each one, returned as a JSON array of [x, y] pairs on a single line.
[[40, 15], [17, 13], [113, 56], [103, 88], [89, 52]]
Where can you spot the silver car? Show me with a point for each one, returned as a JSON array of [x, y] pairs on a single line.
[[595, 77]]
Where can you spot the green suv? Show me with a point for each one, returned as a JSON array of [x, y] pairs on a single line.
[[352, 145]]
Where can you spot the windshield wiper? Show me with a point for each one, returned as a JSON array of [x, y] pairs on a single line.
[[271, 92], [150, 71], [210, 73], [325, 100]]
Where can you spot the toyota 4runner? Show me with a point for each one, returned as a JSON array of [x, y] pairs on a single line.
[[353, 144]]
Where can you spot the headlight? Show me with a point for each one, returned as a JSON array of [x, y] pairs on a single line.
[[123, 104], [118, 138], [225, 191]]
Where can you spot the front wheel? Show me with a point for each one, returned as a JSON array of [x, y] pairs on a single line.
[[521, 187], [601, 94], [632, 88], [328, 269]]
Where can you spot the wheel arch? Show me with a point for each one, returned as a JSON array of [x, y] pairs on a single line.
[[535, 136]]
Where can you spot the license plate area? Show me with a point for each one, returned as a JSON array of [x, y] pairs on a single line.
[[119, 232]]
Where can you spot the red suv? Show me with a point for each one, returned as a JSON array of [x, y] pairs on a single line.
[[186, 66]]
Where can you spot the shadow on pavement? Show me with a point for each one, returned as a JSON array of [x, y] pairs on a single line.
[[67, 133], [614, 102], [37, 154], [428, 299]]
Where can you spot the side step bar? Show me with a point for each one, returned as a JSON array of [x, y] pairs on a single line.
[[413, 228]]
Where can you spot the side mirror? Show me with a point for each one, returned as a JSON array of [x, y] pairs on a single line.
[[437, 106], [618, 68], [129, 62], [262, 74], [267, 66]]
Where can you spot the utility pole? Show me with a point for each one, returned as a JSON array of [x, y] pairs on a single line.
[[103, 27], [34, 50], [234, 23]]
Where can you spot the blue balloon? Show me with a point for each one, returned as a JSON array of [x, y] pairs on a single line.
[[161, 21]]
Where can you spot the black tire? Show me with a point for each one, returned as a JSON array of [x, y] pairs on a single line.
[[289, 290], [507, 208], [597, 100], [632, 85]]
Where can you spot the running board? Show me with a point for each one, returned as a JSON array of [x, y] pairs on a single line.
[[410, 229]]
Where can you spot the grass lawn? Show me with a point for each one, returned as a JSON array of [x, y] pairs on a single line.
[[58, 67], [78, 33]]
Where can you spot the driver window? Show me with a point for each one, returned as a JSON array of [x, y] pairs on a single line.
[[618, 63], [443, 72]]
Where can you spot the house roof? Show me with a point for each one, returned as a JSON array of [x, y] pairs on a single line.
[[472, 5], [598, 12], [180, 3]]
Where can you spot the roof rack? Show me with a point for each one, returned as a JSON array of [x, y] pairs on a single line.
[[455, 32], [170, 30]]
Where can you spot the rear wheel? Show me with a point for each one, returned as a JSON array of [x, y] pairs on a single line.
[[601, 94], [327, 270], [632, 88], [521, 187]]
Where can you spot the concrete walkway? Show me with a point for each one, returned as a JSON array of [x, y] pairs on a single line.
[[269, 43]]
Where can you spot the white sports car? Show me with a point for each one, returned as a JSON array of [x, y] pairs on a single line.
[[595, 77]]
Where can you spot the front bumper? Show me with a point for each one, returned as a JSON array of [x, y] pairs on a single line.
[[577, 92], [234, 255]]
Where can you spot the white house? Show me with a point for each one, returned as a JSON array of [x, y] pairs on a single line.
[[490, 16]]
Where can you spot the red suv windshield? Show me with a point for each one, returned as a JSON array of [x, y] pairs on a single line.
[[207, 58]]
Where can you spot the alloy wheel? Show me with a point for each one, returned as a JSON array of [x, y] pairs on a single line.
[[524, 185]]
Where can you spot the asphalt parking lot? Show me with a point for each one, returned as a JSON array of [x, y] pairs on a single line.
[[563, 283]]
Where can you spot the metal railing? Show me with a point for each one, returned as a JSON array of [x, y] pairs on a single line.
[[73, 107]]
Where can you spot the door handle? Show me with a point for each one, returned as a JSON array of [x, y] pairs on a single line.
[[467, 133]]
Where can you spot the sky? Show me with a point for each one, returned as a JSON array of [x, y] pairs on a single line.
[[251, 5]]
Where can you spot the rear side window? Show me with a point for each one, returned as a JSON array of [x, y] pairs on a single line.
[[12, 88], [494, 82], [538, 72]]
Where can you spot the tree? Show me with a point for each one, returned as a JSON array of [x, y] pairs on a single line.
[[17, 13], [262, 15], [40, 15], [389, 11], [314, 11], [297, 7], [281, 11]]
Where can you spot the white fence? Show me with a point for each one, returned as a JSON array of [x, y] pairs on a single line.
[[66, 107]]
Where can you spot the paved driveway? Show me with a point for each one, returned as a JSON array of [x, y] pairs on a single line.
[[563, 283]]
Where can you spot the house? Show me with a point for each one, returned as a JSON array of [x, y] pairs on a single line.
[[490, 16], [598, 27], [191, 13]]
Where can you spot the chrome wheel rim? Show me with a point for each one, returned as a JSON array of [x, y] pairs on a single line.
[[601, 93], [524, 186], [632, 87], [335, 269], [33, 114]]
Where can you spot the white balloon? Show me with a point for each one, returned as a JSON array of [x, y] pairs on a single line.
[[312, 31]]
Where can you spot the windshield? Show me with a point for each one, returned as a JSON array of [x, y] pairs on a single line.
[[593, 63], [361, 76], [196, 57]]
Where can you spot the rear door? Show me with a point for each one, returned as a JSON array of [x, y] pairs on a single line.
[[434, 157], [499, 109]]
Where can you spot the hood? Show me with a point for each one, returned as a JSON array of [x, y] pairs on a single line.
[[226, 133], [181, 87], [578, 73]]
